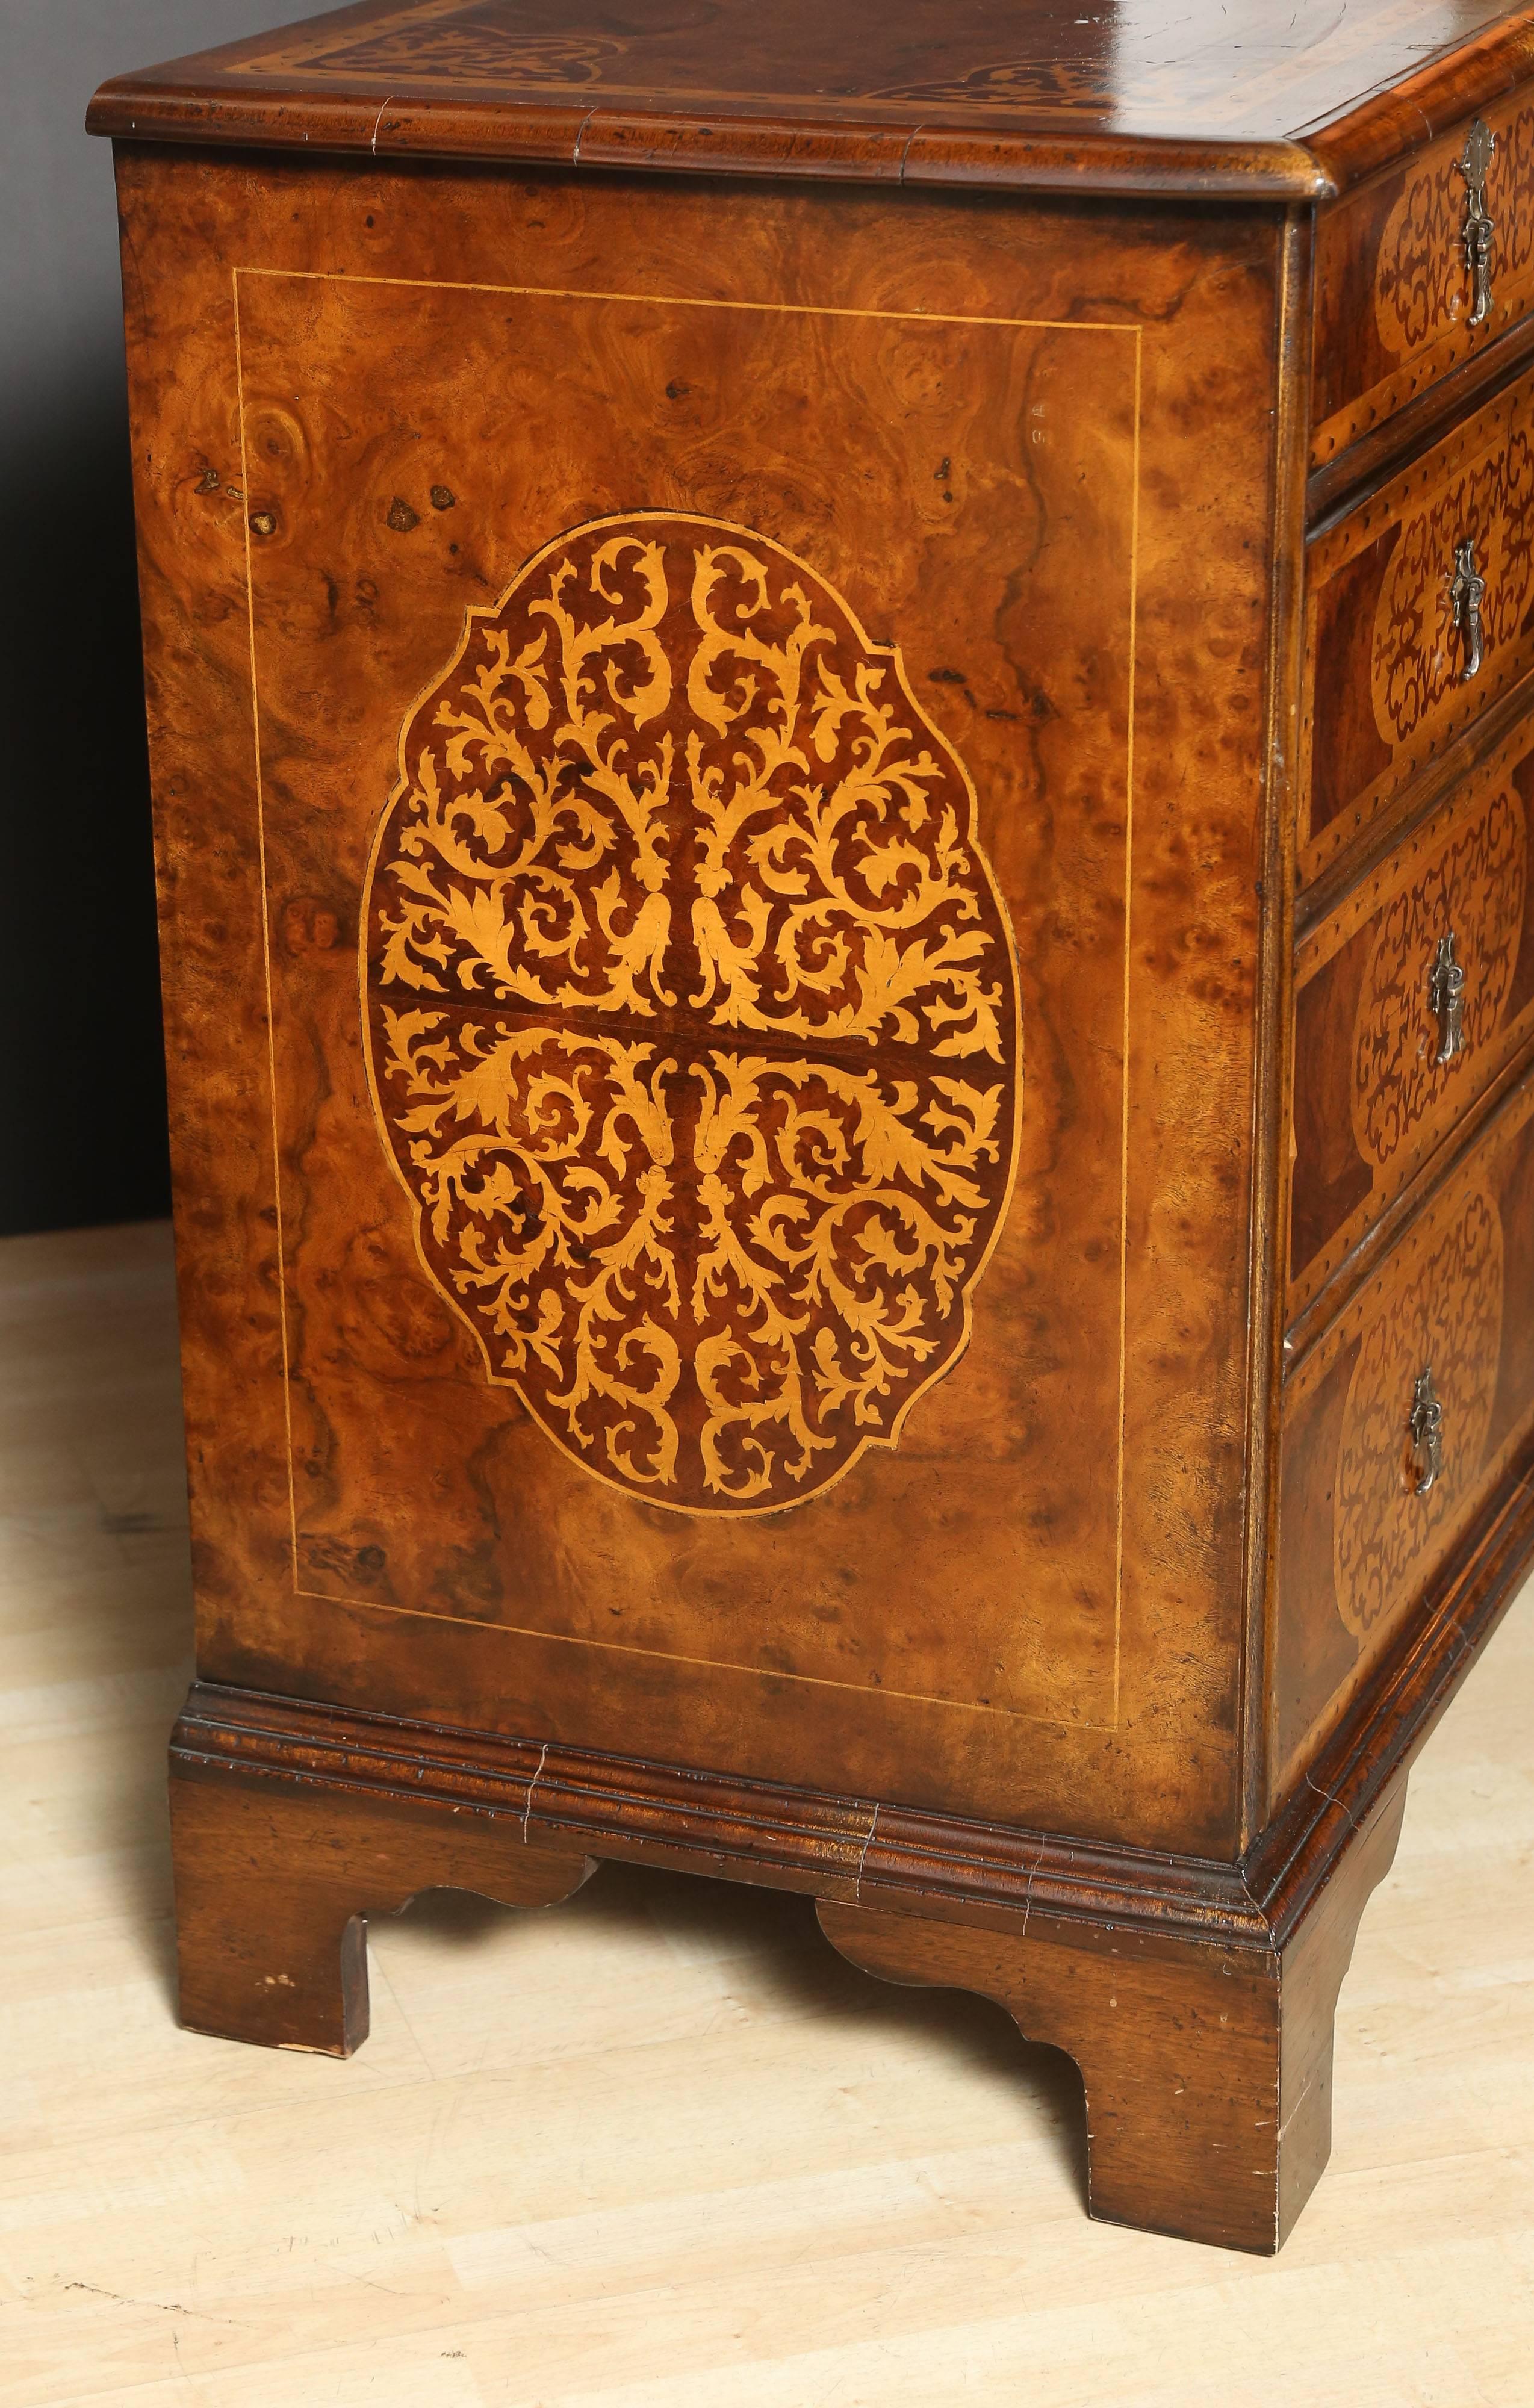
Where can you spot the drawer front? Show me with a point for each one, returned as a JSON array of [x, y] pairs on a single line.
[[1396, 289], [1419, 612], [1443, 1332], [1409, 999]]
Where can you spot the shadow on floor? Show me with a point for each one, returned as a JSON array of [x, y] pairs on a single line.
[[799, 1971]]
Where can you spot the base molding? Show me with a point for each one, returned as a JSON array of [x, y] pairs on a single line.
[[1206, 2063], [870, 1853], [1197, 1998]]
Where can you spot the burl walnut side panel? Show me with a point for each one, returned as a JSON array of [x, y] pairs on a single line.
[[865, 1376]]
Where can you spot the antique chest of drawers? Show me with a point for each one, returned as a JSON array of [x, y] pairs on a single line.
[[841, 716]]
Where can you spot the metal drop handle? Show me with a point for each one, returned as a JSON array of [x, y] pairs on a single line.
[[1426, 1431], [1479, 227], [1446, 1000], [1466, 593]]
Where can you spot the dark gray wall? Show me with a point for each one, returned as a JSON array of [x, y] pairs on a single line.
[[83, 1105]]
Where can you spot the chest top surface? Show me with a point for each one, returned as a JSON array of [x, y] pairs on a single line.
[[1231, 97]]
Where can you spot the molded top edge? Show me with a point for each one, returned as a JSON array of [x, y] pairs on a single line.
[[1219, 102]]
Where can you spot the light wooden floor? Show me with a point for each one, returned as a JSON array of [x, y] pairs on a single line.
[[659, 2145]]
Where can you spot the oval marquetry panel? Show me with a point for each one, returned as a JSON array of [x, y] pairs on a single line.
[[1419, 655], [1446, 1314], [1475, 888], [693, 1016]]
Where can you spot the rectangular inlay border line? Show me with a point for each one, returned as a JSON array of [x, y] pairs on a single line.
[[918, 317]]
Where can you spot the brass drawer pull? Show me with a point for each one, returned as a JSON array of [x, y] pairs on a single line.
[[1479, 228], [1426, 1431], [1467, 592], [1446, 1000]]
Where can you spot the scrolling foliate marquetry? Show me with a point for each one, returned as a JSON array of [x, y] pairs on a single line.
[[1474, 887], [468, 55], [497, 42], [693, 1013], [1448, 1318], [1016, 84]]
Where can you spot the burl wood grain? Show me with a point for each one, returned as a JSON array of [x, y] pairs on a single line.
[[1359, 1545], [936, 408], [1387, 658], [666, 808], [1371, 1097]]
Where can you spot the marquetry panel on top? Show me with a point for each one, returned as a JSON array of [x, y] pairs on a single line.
[[1255, 104], [1392, 672], [803, 54], [1394, 289], [1376, 1086], [1362, 1529]]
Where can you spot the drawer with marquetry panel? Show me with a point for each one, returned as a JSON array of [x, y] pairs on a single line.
[[1419, 615], [1411, 997], [1400, 1421], [1419, 270]]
